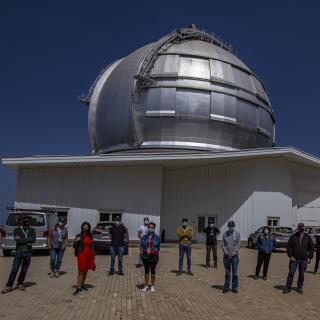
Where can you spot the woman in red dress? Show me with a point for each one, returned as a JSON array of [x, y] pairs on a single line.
[[84, 251]]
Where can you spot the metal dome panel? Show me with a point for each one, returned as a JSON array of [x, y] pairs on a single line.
[[185, 91]]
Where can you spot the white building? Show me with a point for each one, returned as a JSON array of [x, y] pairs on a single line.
[[277, 186]]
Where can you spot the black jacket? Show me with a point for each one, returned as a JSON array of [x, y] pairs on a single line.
[[211, 235], [303, 250]]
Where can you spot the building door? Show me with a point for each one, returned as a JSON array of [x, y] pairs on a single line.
[[202, 222]]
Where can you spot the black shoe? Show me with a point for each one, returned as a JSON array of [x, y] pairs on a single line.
[[265, 278], [78, 290], [215, 266], [255, 278], [235, 290], [286, 290], [190, 273], [111, 273], [207, 266], [225, 290], [84, 288], [179, 273], [6, 290], [299, 290], [120, 273], [314, 272]]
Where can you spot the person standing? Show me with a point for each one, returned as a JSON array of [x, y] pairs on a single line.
[[300, 251], [230, 247], [317, 247], [150, 244], [265, 245], [184, 233], [24, 237], [57, 243], [84, 251], [143, 230], [118, 236], [211, 243]]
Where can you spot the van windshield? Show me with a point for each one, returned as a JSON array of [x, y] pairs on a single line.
[[36, 220]]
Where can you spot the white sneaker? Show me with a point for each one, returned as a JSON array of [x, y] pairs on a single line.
[[51, 274], [145, 289], [153, 289]]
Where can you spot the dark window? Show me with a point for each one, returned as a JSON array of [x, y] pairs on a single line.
[[104, 216], [115, 215], [201, 223], [63, 215], [36, 220]]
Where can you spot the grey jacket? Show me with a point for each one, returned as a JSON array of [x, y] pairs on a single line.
[[231, 242]]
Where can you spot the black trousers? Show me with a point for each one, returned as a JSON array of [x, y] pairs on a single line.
[[263, 258], [316, 266], [20, 260], [212, 248]]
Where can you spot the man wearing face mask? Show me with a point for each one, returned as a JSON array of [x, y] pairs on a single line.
[[211, 243], [24, 236], [57, 243], [184, 234], [230, 247], [300, 251], [265, 245], [143, 230], [118, 234]]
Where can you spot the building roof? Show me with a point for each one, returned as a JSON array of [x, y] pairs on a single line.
[[160, 158]]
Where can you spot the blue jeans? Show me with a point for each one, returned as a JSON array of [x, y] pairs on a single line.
[[22, 260], [231, 265], [56, 256], [302, 266], [116, 251], [185, 249]]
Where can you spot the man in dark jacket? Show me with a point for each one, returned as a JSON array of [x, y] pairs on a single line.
[[24, 236], [316, 266], [300, 251], [211, 243], [118, 235]]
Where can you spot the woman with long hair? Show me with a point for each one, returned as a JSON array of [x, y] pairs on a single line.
[[150, 244], [84, 251]]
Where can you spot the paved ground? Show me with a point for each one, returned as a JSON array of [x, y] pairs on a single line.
[[184, 297]]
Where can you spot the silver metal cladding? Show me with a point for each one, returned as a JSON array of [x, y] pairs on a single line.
[[188, 90]]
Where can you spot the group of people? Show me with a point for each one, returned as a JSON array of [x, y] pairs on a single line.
[[300, 250]]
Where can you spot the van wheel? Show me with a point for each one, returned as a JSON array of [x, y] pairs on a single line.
[[250, 244], [6, 253]]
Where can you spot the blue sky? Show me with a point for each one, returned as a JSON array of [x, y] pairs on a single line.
[[51, 51]]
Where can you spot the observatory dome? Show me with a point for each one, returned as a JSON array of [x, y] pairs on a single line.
[[187, 90]]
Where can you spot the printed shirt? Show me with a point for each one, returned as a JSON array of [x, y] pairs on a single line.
[[57, 238]]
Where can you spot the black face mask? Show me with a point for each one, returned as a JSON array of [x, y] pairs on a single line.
[[25, 223]]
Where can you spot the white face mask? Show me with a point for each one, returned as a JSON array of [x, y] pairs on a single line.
[[184, 224], [266, 231], [211, 225], [146, 222]]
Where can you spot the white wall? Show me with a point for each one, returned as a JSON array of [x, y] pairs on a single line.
[[246, 191], [126, 189]]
